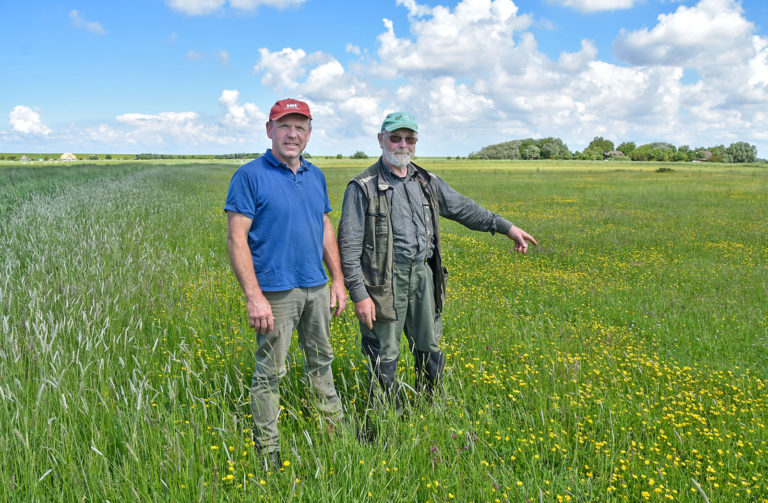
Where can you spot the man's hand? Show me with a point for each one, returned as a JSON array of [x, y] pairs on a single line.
[[365, 311], [338, 295], [521, 239], [260, 314]]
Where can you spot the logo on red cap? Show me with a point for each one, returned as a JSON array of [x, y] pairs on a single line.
[[289, 106]]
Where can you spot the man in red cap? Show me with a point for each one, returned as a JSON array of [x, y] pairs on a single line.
[[279, 235]]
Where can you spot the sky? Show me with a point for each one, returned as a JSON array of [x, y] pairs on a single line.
[[199, 76]]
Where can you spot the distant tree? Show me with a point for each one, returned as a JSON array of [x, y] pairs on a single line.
[[741, 152], [358, 155], [717, 153], [243, 155], [657, 151], [524, 144], [553, 148], [626, 147], [339, 156], [597, 148], [93, 157], [548, 148], [109, 157], [531, 152], [306, 155]]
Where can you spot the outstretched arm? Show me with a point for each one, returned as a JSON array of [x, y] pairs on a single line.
[[473, 216]]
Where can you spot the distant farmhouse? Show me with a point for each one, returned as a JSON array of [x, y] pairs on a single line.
[[68, 157], [24, 158]]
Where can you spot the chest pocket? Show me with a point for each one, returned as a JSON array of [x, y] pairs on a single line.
[[381, 224]]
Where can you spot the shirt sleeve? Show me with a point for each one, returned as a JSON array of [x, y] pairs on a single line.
[[241, 195], [351, 228], [467, 212]]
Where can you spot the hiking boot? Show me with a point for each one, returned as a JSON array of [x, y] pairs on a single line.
[[272, 461]]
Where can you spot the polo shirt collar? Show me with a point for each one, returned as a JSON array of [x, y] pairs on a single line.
[[274, 161]]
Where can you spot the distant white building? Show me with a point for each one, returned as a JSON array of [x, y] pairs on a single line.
[[68, 157], [24, 158]]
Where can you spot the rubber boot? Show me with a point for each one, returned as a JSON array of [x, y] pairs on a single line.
[[271, 459], [429, 367]]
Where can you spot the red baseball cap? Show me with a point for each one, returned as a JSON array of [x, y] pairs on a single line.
[[289, 106]]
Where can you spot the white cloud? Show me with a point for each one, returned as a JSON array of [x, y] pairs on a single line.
[[476, 34], [340, 102], [414, 9], [281, 68], [714, 38], [240, 116], [170, 129], [195, 7], [711, 33], [446, 101], [597, 5], [92, 26], [351, 48], [327, 82], [574, 62], [26, 121], [203, 7]]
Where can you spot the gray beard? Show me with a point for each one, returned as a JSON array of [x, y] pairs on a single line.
[[398, 160]]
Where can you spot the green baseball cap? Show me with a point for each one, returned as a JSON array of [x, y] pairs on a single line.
[[399, 120]]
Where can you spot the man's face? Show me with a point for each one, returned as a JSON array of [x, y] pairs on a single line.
[[398, 147], [289, 135]]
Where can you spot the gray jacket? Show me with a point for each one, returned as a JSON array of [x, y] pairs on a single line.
[[365, 233]]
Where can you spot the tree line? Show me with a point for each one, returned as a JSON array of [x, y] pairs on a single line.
[[600, 148]]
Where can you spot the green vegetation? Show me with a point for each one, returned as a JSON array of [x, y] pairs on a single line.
[[545, 148], [600, 148], [623, 359]]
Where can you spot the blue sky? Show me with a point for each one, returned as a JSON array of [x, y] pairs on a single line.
[[199, 76]]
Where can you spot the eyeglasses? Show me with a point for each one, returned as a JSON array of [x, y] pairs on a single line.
[[396, 138]]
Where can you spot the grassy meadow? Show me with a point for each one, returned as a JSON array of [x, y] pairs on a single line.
[[623, 359]]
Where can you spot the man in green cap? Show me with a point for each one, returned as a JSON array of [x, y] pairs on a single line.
[[389, 241]]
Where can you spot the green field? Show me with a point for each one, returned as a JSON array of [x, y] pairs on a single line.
[[623, 359]]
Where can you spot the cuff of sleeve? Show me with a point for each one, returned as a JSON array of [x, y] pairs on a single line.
[[358, 293], [503, 226]]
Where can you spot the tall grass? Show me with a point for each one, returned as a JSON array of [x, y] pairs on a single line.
[[623, 359]]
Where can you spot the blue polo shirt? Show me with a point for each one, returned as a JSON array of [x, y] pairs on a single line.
[[287, 209]]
